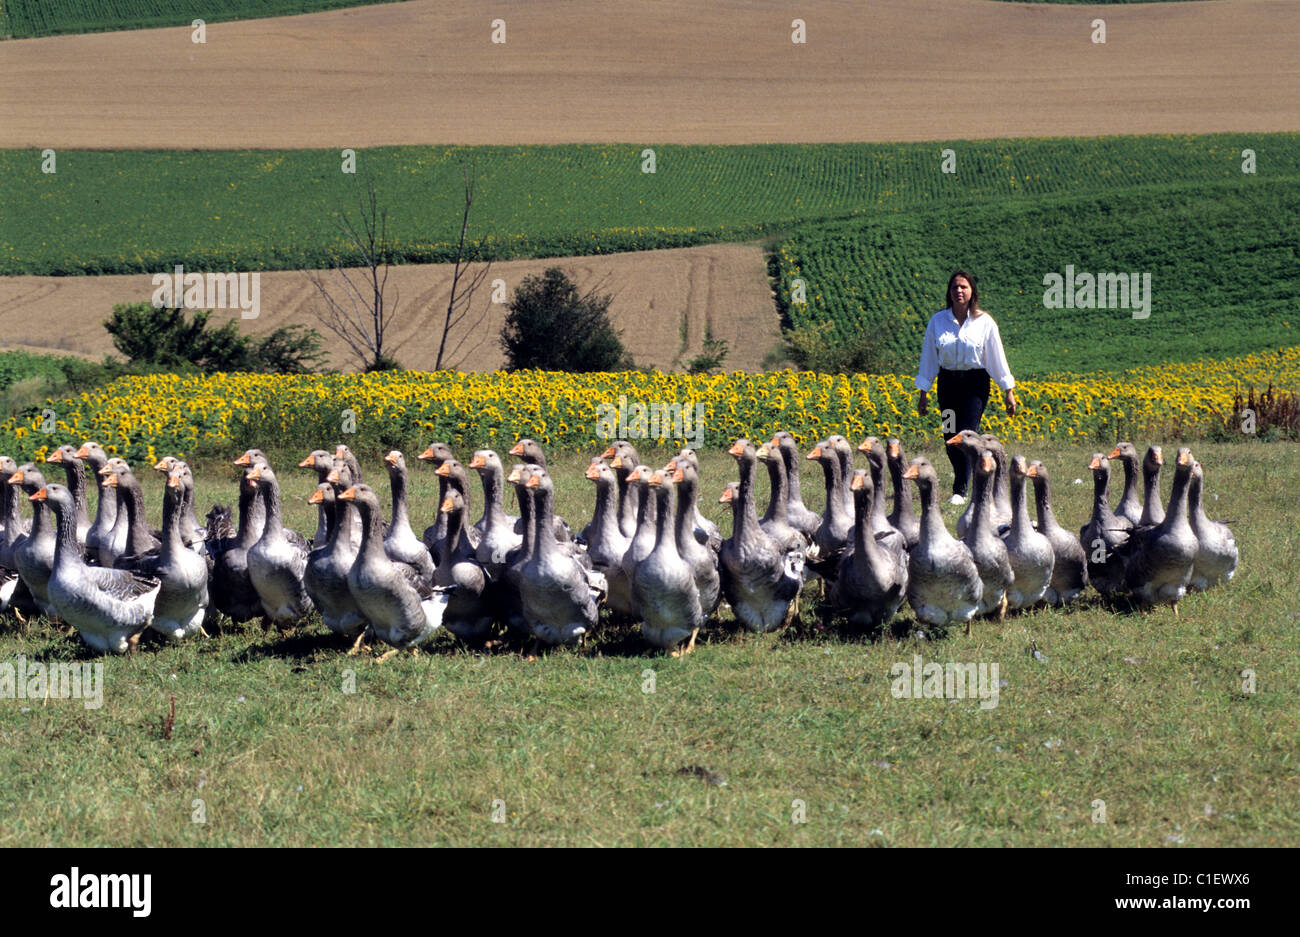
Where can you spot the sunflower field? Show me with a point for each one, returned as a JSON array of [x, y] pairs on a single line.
[[146, 417]]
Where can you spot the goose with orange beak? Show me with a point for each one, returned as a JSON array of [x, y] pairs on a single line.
[[1128, 507], [606, 545], [275, 564], [99, 536], [663, 583], [943, 583], [469, 614], [400, 542], [74, 469], [1070, 563], [1216, 548], [320, 462], [1158, 560], [326, 575], [1104, 534], [404, 610], [902, 516], [559, 597], [34, 552], [871, 582], [986, 547], [182, 601], [760, 581], [110, 608], [797, 513], [1031, 554], [623, 459]]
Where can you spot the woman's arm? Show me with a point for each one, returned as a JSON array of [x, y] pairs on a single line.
[[929, 368], [995, 362]]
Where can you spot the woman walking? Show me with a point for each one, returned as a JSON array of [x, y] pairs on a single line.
[[963, 349]]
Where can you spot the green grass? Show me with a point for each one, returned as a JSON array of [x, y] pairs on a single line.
[[1148, 711], [23, 19], [142, 211], [1220, 257]]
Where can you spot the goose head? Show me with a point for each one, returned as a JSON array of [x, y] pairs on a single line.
[[260, 476], [437, 453], [318, 460], [623, 457], [64, 455], [395, 461], [340, 475], [364, 497], [729, 493], [822, 452], [93, 454], [1126, 451], [58, 497], [894, 448], [742, 450], [453, 503], [530, 451], [922, 472], [1100, 467], [1153, 460], [862, 482], [324, 494], [874, 450], [7, 466], [986, 465], [28, 477], [166, 464], [486, 462], [600, 472], [1019, 468], [252, 457], [117, 474], [967, 440]]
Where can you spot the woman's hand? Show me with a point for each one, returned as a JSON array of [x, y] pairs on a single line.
[[1009, 397], [922, 403]]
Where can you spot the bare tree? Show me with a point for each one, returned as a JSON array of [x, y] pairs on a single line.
[[360, 314], [459, 302], [360, 317]]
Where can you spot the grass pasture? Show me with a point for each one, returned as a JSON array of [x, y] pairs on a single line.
[[1143, 711]]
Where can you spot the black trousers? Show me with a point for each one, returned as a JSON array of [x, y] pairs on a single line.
[[966, 394]]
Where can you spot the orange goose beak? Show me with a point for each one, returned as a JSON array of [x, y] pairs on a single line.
[[533, 481], [426, 455], [55, 456], [617, 463], [37, 496], [110, 481], [477, 462], [517, 449], [515, 474], [1184, 456], [656, 479], [348, 495], [607, 454], [856, 484], [173, 480], [678, 475], [956, 438], [315, 497], [307, 462], [16, 478], [1031, 472], [392, 457], [443, 470], [447, 506], [593, 470], [1114, 453], [1095, 463], [83, 451], [725, 497], [244, 460], [816, 453], [1160, 456], [736, 449], [911, 472], [333, 476], [894, 449]]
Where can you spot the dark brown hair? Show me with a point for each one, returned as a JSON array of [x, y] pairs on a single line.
[[974, 290]]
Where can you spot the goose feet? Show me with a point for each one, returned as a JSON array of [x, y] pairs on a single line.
[[359, 644], [386, 655], [690, 645], [132, 643], [1002, 608]]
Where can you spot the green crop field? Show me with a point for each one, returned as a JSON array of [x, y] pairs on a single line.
[[283, 740], [21, 19], [142, 211], [1222, 259]]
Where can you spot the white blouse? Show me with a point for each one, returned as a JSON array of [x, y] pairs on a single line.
[[973, 344]]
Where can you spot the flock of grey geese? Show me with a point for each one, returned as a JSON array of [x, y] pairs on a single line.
[[648, 554]]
